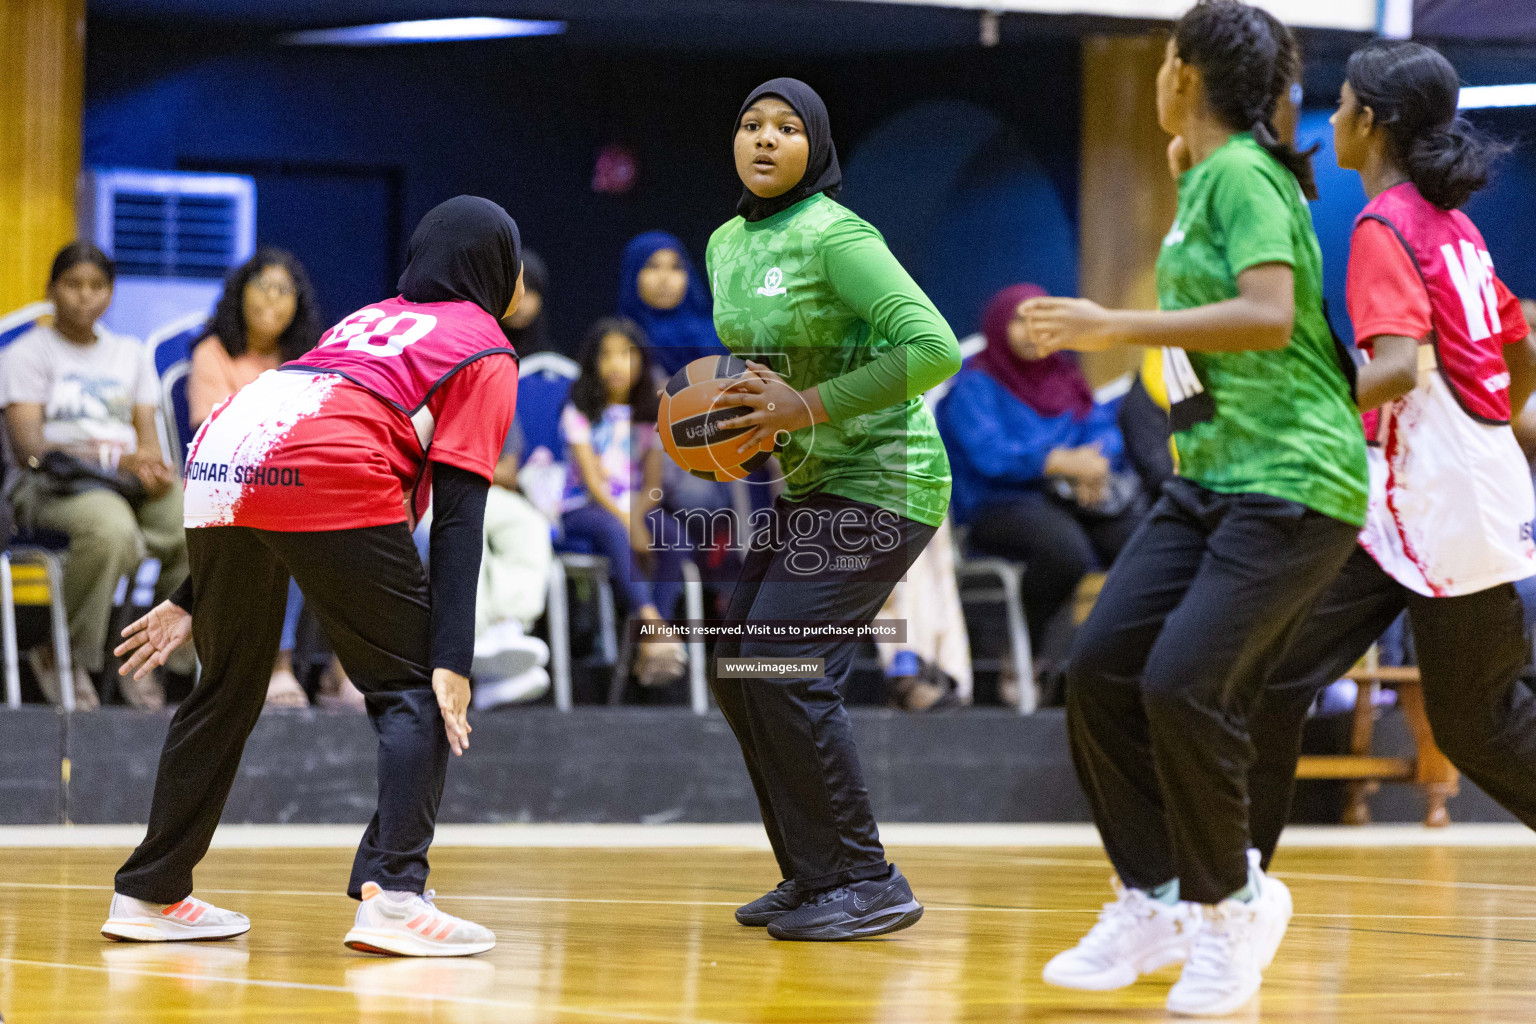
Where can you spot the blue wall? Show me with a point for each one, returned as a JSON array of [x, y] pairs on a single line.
[[966, 160], [522, 121]]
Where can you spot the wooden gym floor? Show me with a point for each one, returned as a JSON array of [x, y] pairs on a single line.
[[1394, 933]]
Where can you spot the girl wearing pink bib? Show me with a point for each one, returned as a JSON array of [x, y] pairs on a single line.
[[317, 471], [1448, 529]]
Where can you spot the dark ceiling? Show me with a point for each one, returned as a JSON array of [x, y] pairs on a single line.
[[772, 26], [748, 26]]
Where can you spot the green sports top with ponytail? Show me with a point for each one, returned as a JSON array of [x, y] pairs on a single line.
[[1281, 421]]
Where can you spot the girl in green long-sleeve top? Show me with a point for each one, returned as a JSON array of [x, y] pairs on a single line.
[[843, 344]]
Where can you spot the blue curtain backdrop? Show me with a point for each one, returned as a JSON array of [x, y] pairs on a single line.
[[521, 122]]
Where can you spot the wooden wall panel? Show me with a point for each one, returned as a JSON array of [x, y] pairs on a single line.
[[42, 76], [1127, 198]]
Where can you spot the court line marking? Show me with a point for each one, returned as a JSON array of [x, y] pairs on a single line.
[[946, 907], [1421, 935], [309, 894], [750, 836], [1420, 882], [307, 986]]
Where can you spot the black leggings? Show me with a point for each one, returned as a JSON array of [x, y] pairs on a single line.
[[1057, 544], [1166, 670], [1471, 651], [369, 591], [830, 560]]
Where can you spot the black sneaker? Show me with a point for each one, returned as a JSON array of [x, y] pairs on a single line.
[[770, 905], [857, 910]]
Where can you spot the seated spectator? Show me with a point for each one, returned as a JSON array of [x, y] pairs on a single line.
[[663, 293], [267, 316], [527, 329], [514, 582], [614, 476], [1144, 424], [932, 669], [660, 291], [82, 420], [1040, 475]]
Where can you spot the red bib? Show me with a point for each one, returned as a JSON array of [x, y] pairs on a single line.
[[1469, 333], [404, 351]]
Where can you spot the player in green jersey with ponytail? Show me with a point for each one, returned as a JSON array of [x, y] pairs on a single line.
[[1270, 494]]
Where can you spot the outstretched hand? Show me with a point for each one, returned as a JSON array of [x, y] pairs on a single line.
[[1058, 323], [153, 639], [452, 692]]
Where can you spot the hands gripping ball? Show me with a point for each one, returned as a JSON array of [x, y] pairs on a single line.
[[693, 406]]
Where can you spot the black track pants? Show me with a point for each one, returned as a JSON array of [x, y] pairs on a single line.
[[836, 560], [1471, 651], [1168, 667], [369, 591]]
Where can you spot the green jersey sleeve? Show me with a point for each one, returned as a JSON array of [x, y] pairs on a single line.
[[1254, 216], [865, 276]]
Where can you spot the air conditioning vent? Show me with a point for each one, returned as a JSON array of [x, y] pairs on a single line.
[[168, 224], [174, 235], [171, 235]]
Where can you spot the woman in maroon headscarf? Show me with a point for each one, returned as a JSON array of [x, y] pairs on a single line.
[[1040, 475]]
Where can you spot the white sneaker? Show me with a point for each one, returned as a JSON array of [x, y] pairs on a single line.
[[520, 689], [407, 924], [1274, 902], [131, 920], [1134, 935], [1224, 968], [503, 650]]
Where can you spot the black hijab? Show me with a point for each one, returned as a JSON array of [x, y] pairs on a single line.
[[822, 173], [466, 249]]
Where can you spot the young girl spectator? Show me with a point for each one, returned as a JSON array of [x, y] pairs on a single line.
[[267, 316], [660, 291], [614, 478], [514, 579], [83, 399], [1039, 468]]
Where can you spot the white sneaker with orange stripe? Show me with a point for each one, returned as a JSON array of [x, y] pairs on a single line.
[[407, 924], [131, 920]]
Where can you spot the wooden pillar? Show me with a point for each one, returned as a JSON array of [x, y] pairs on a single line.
[[1127, 199], [42, 82]]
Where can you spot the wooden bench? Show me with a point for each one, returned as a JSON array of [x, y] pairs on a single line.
[[1364, 772]]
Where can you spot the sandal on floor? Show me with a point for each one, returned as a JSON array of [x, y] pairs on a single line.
[[284, 691]]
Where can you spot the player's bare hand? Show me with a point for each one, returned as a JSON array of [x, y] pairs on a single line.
[[1058, 323], [153, 639], [452, 692], [774, 405]]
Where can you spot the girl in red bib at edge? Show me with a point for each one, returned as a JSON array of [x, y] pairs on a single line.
[[319, 470], [1448, 531]]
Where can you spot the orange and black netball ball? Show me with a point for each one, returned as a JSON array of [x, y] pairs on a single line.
[[693, 405]]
